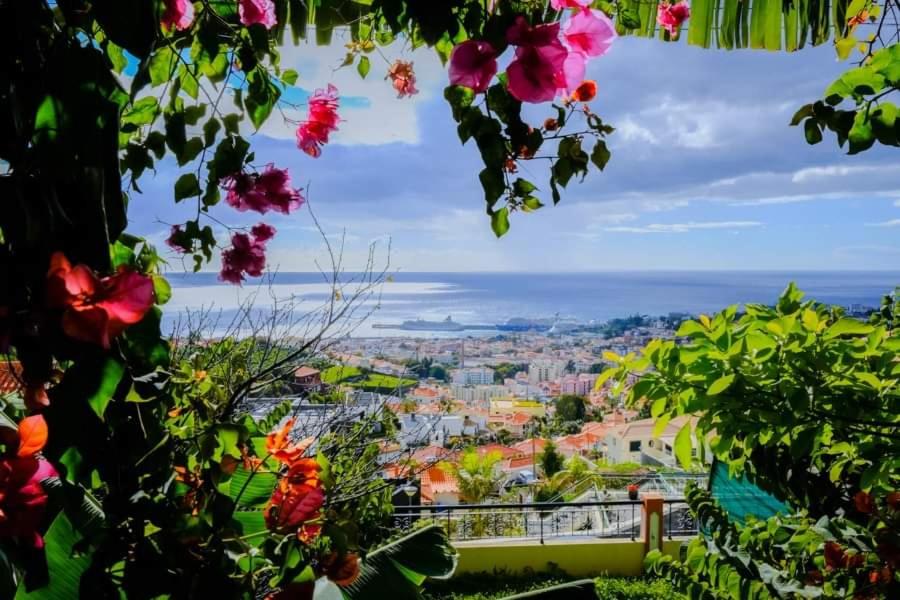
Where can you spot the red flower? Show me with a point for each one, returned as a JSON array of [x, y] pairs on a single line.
[[269, 190], [36, 396], [97, 310], [834, 555], [296, 504], [473, 64], [864, 502], [176, 240], [403, 78], [321, 121], [585, 92], [246, 255], [22, 499], [671, 16], [893, 500]]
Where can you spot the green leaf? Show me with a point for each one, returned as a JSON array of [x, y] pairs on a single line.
[[289, 76], [848, 326], [363, 66], [500, 221], [109, 377], [251, 489], [522, 188], [683, 446], [812, 132], [65, 568], [398, 569], [162, 291], [162, 66], [720, 385], [186, 186], [600, 155]]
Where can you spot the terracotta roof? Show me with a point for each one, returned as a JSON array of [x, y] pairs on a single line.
[[525, 447], [429, 454], [518, 462], [436, 481], [424, 392], [305, 372], [10, 376]]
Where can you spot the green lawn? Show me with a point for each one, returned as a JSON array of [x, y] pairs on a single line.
[[357, 378], [494, 587]]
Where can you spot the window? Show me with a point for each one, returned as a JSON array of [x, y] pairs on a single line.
[[634, 446]]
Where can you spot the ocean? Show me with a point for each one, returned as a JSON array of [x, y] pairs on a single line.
[[490, 298]]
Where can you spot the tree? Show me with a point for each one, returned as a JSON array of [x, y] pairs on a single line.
[[804, 402], [504, 437], [551, 460], [439, 372], [570, 366], [506, 370], [570, 408], [475, 474]]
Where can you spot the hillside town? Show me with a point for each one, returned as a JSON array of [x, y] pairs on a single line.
[[512, 399]]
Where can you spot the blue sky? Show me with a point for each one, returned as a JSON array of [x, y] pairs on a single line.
[[705, 174]]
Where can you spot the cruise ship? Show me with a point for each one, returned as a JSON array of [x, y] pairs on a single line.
[[447, 324], [522, 324]]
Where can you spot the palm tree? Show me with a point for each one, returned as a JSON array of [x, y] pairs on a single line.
[[475, 474]]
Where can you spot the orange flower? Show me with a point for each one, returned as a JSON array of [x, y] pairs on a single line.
[[279, 444], [864, 503], [551, 124], [585, 92], [297, 502], [343, 570], [859, 19], [36, 396], [32, 435]]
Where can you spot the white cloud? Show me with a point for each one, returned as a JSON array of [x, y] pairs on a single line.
[[685, 227], [891, 223], [832, 171]]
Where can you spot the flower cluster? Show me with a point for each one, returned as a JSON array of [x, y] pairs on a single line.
[[262, 192], [550, 59], [671, 16], [261, 12], [95, 309], [247, 254], [22, 499], [178, 14], [321, 121], [403, 79], [296, 503]]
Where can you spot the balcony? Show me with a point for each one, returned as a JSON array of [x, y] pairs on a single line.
[[580, 538]]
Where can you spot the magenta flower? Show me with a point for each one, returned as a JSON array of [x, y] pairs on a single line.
[[563, 4], [178, 14], [572, 73], [262, 232], [262, 12], [542, 64], [671, 16], [175, 242], [321, 121], [473, 64], [247, 254], [269, 190], [590, 32]]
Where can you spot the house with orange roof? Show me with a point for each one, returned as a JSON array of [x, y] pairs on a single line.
[[504, 451], [579, 444], [530, 446], [636, 441], [437, 486], [424, 394], [10, 377]]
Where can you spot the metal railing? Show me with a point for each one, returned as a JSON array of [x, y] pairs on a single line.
[[545, 520]]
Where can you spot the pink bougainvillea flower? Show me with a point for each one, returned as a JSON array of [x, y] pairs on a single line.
[[247, 254], [572, 73], [262, 192], [22, 499], [671, 16], [590, 32], [174, 241], [563, 4], [473, 64], [262, 12], [97, 310], [321, 121], [403, 78], [521, 33], [178, 14]]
